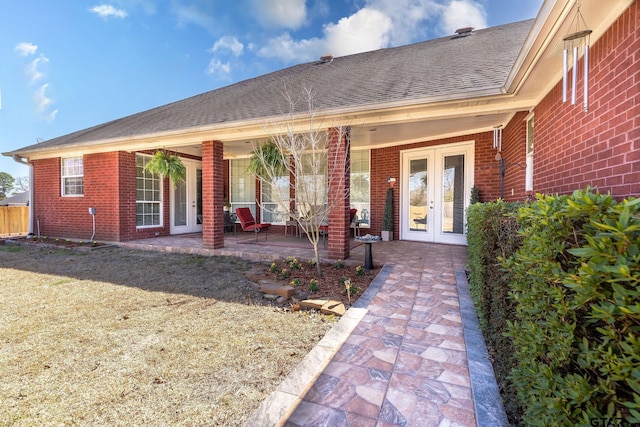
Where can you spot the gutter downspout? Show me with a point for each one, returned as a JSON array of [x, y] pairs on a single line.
[[27, 163]]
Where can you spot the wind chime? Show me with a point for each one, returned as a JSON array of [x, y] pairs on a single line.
[[576, 42], [497, 144], [497, 138]]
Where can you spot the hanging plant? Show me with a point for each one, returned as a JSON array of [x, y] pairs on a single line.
[[267, 159], [168, 165]]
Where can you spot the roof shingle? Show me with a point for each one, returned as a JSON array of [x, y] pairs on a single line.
[[444, 67]]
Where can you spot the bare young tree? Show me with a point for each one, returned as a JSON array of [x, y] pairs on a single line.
[[299, 148], [21, 184]]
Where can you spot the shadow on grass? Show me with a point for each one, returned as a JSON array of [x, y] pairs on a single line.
[[221, 278]]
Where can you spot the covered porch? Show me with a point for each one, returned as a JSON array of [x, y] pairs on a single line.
[[244, 245]]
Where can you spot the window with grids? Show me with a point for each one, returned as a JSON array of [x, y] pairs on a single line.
[[275, 200], [360, 187], [148, 195], [311, 183], [242, 186], [72, 176]]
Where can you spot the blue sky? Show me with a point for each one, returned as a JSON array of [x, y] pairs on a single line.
[[68, 65]]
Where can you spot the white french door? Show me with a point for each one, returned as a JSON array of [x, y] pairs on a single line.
[[186, 200], [435, 188]]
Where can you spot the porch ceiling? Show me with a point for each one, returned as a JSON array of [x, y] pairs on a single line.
[[376, 135]]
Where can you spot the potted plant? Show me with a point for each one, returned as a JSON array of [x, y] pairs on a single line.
[[168, 165], [387, 219], [227, 205]]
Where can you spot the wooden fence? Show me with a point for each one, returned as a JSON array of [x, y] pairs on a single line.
[[14, 220]]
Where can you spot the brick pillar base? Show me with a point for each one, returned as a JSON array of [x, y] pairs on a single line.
[[339, 166], [212, 195]]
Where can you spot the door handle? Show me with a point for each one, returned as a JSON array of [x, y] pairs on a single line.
[[431, 205]]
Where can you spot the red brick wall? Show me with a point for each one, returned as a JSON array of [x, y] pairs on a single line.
[[68, 217], [600, 148], [212, 194], [109, 186], [514, 152], [339, 159]]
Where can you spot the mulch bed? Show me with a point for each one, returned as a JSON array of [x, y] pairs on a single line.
[[330, 284]]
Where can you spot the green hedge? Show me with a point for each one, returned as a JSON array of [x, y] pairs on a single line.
[[572, 309], [576, 331], [492, 234]]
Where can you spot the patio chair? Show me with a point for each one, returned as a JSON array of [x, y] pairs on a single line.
[[324, 229], [248, 223], [229, 222]]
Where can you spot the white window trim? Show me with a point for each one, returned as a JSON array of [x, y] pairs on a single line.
[[63, 176], [528, 180], [141, 227]]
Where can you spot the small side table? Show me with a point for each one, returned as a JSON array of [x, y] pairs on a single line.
[[293, 224]]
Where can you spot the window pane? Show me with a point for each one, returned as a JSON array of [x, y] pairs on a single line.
[[242, 185], [360, 185], [275, 197], [453, 194], [148, 195], [72, 176], [418, 194], [311, 184]]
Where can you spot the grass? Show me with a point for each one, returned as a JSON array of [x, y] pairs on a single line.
[[116, 337]]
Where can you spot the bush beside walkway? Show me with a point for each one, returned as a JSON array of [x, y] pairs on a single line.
[[561, 307]]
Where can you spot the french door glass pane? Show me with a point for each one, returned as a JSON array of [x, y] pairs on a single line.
[[453, 194], [199, 196], [180, 204], [418, 195]]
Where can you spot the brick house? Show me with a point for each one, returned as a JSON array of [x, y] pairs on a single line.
[[440, 117]]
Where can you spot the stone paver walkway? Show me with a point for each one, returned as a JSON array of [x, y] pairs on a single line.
[[397, 358], [405, 363]]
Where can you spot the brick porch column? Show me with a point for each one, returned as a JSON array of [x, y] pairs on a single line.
[[212, 195], [339, 167]]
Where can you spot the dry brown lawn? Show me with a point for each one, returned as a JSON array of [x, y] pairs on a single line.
[[117, 337]]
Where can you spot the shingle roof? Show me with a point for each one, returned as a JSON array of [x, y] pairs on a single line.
[[444, 67], [16, 199]]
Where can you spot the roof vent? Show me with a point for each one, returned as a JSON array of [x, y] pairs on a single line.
[[326, 58], [463, 32]]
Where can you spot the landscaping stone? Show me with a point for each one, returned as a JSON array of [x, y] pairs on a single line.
[[268, 287], [333, 307], [313, 303]]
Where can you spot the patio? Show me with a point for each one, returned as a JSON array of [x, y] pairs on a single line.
[[408, 353]]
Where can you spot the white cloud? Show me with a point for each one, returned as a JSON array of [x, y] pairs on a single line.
[[43, 103], [287, 49], [290, 14], [379, 24], [218, 69], [463, 13], [26, 49], [228, 43], [367, 29], [409, 17], [33, 69], [106, 11]]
